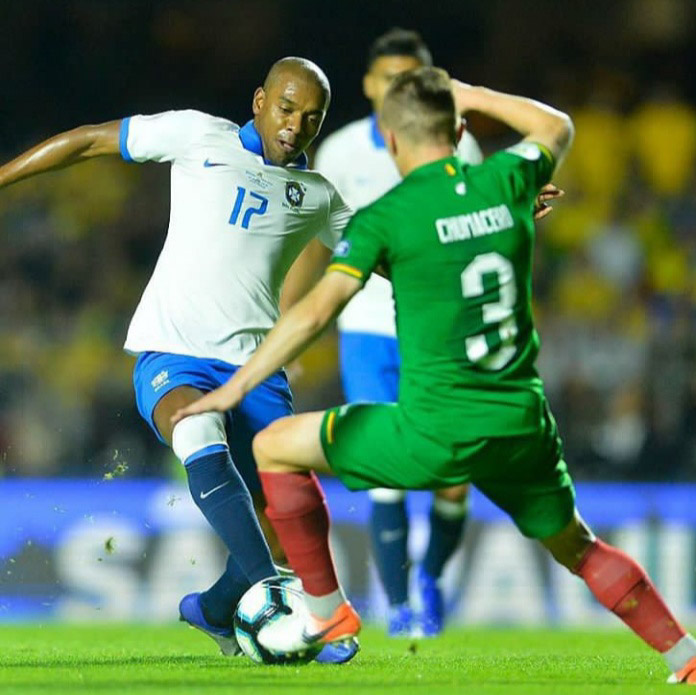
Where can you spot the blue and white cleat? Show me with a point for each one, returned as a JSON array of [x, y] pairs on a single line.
[[190, 612], [432, 618], [338, 634], [338, 652], [400, 621]]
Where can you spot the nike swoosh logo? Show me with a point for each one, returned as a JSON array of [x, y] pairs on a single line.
[[208, 164], [203, 495], [307, 637]]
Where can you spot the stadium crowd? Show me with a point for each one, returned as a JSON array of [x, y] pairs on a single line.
[[615, 283]]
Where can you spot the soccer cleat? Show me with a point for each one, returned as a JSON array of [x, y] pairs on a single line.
[[338, 652], [338, 633], [191, 612], [400, 621], [686, 675], [432, 618]]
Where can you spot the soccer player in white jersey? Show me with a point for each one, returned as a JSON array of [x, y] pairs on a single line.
[[355, 159], [243, 207]]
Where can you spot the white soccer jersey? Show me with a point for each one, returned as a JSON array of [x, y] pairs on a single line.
[[236, 226], [357, 162]]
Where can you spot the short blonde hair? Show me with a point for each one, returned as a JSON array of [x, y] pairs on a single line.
[[419, 105]]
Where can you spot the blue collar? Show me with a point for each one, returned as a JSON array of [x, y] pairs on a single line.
[[377, 137], [251, 140]]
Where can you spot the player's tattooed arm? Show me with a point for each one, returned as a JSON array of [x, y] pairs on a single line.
[[293, 333], [63, 150]]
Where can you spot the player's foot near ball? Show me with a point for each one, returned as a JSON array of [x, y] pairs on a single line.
[[432, 618], [191, 612], [338, 652], [400, 621], [338, 633], [686, 675]]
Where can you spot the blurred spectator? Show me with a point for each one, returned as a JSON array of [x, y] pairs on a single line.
[[616, 278]]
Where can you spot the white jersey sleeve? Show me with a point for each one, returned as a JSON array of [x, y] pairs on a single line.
[[339, 214], [331, 162], [162, 137], [468, 149]]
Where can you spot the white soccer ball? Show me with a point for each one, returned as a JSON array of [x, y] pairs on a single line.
[[270, 620]]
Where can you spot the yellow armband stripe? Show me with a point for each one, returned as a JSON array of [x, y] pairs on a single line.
[[546, 152], [347, 269], [330, 426]]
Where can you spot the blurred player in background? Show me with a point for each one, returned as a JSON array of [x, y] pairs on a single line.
[[243, 207], [457, 241], [355, 159]]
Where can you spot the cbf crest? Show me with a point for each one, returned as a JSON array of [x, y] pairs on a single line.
[[294, 194]]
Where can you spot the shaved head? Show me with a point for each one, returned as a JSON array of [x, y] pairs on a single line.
[[298, 67], [290, 108]]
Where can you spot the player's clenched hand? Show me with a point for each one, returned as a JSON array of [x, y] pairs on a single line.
[[221, 399], [549, 192]]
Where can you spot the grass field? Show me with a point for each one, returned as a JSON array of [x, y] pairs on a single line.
[[177, 660]]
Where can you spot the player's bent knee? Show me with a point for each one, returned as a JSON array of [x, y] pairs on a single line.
[[383, 495], [259, 447], [266, 453], [196, 433]]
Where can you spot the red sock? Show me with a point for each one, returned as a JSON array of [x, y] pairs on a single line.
[[298, 512], [620, 584]]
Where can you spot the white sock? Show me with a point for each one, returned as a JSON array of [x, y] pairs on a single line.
[[681, 653], [284, 571], [323, 607]]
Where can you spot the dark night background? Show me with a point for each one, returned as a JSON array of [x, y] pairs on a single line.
[[615, 271]]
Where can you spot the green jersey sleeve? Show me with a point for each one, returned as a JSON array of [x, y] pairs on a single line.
[[362, 247], [524, 168]]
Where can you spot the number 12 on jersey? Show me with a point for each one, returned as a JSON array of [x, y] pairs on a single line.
[[256, 206]]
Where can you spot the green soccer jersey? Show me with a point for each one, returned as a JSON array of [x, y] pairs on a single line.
[[457, 242]]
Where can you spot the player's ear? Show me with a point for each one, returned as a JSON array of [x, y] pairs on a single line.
[[461, 127], [258, 101], [368, 86], [390, 139]]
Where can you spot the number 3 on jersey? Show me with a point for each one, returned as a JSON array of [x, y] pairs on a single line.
[[501, 312], [251, 209]]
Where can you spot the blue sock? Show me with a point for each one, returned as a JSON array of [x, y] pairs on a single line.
[[220, 601], [445, 534], [223, 497], [389, 530]]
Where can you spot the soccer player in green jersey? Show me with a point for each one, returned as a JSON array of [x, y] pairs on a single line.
[[456, 241]]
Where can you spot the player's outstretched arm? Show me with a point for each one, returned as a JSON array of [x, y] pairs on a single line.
[[304, 273], [535, 121], [63, 150], [290, 336]]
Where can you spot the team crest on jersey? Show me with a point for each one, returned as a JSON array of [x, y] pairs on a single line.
[[294, 193], [342, 248]]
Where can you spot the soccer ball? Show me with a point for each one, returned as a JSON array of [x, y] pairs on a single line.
[[270, 620]]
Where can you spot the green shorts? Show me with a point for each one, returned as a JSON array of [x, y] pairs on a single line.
[[374, 445]]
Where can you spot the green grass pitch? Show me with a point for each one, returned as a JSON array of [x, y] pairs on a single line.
[[177, 660]]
